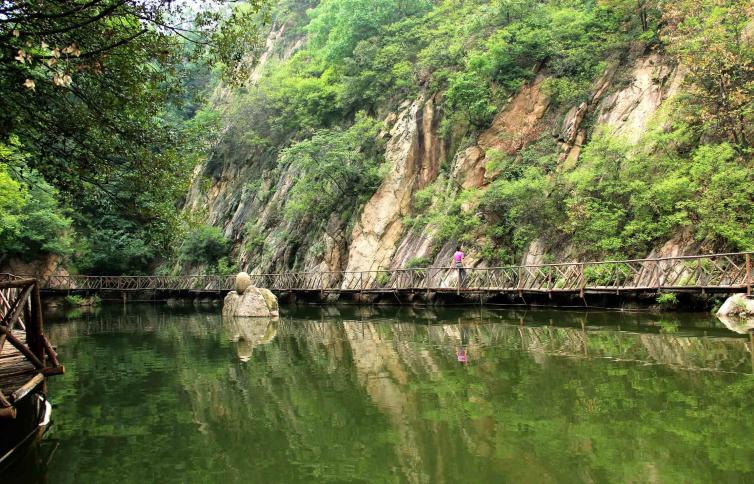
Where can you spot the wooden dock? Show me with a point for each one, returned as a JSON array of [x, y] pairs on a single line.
[[26, 360]]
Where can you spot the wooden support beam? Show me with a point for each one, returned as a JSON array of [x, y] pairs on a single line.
[[35, 330], [17, 283], [27, 387], [8, 413], [50, 351], [53, 370], [4, 403]]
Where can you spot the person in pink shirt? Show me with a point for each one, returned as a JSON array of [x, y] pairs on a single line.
[[458, 262]]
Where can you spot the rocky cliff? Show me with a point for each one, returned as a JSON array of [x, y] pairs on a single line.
[[627, 99]]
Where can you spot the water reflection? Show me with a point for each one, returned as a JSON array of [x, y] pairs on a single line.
[[248, 333], [412, 395], [737, 324]]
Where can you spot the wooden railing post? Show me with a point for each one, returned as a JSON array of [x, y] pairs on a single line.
[[582, 280], [35, 328], [748, 274]]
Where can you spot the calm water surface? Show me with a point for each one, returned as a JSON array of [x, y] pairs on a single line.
[[160, 394]]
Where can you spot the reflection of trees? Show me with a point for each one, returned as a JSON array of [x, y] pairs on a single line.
[[359, 396]]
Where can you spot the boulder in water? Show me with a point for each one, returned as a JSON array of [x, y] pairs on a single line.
[[737, 313], [253, 302], [737, 305]]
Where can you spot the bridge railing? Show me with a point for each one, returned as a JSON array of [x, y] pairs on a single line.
[[140, 283], [22, 327], [714, 271]]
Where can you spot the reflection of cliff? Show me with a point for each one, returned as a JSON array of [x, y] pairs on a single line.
[[333, 397], [383, 375]]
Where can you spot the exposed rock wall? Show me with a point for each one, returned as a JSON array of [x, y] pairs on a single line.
[[624, 99], [414, 153]]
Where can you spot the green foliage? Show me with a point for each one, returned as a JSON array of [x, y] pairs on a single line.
[[254, 240], [724, 183], [75, 300], [204, 245], [667, 300], [114, 248], [32, 223], [518, 209], [469, 94], [227, 268], [95, 92], [337, 168], [418, 263], [710, 38], [606, 274], [382, 279], [338, 25], [450, 215]]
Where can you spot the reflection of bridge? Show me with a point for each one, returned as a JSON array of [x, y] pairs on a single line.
[[700, 273]]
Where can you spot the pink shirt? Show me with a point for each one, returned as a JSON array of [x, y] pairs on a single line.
[[458, 256]]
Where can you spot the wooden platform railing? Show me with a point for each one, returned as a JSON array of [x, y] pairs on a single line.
[[731, 271], [22, 326]]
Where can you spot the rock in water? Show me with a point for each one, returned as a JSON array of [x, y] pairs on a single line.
[[242, 282], [248, 301], [255, 302], [737, 305]]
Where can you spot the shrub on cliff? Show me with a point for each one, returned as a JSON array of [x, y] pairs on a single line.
[[204, 245]]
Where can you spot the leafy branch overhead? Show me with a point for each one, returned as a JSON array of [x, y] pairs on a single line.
[[95, 92]]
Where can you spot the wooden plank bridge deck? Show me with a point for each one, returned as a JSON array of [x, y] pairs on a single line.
[[729, 272]]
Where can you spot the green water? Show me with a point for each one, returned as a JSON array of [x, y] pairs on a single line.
[[162, 394]]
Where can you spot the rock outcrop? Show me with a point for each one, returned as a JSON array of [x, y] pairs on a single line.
[[737, 313], [414, 153]]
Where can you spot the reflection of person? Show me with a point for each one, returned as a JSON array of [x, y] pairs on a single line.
[[462, 356], [458, 262], [461, 353]]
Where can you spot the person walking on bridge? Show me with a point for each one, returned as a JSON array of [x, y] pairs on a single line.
[[458, 262]]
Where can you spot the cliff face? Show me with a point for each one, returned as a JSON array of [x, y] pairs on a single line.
[[624, 99]]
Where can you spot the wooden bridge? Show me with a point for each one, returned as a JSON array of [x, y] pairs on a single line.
[[712, 273]]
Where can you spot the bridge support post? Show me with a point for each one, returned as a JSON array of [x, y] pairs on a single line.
[[748, 274]]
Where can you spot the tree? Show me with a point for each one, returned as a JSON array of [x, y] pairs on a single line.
[[338, 25], [337, 168], [86, 85], [709, 38]]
